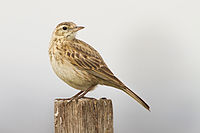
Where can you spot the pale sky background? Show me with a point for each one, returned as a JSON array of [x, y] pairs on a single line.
[[153, 46]]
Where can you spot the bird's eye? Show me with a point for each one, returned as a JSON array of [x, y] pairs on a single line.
[[64, 28]]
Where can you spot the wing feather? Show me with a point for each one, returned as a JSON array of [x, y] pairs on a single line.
[[86, 57]]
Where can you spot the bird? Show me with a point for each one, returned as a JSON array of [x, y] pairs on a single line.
[[81, 66]]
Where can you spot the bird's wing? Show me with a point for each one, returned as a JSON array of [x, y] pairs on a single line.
[[85, 57]]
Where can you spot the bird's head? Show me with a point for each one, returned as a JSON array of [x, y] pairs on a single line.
[[67, 30]]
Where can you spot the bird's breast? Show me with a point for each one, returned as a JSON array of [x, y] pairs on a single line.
[[76, 78]]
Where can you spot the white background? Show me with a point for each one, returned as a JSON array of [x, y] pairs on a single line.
[[153, 46]]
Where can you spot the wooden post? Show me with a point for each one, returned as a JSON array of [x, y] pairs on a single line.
[[87, 115]]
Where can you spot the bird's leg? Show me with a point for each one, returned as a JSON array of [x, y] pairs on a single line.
[[85, 92], [75, 96]]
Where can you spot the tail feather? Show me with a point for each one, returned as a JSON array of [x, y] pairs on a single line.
[[115, 82], [136, 97]]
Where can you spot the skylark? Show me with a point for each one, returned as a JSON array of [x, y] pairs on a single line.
[[80, 65]]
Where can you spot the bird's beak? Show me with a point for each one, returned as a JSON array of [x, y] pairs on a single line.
[[78, 28]]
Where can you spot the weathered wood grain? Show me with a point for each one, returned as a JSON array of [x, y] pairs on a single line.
[[87, 115]]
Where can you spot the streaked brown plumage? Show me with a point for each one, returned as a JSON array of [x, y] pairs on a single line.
[[80, 65]]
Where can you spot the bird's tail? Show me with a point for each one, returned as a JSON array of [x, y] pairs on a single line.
[[136, 97]]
